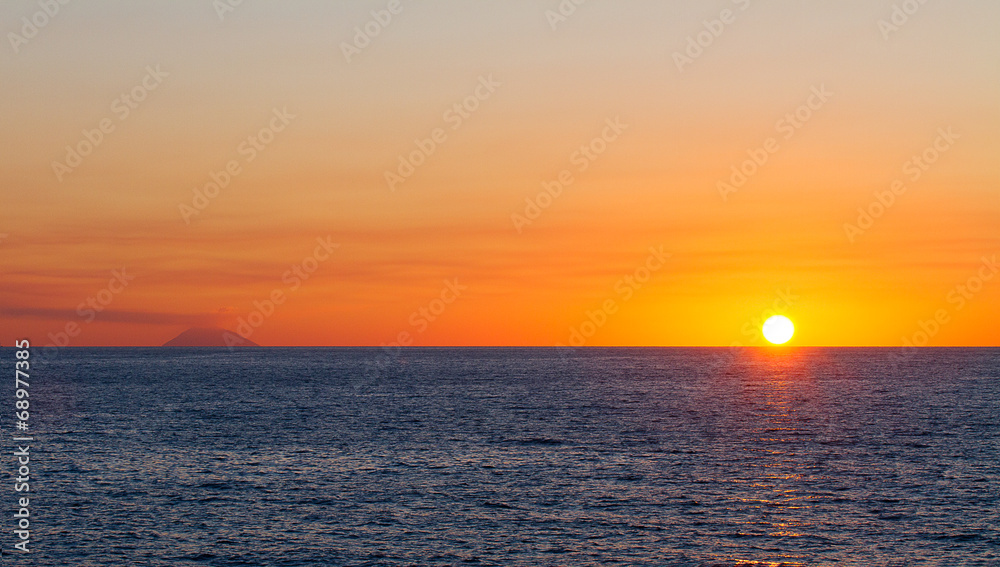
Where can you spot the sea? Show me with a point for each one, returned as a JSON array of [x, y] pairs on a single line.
[[507, 456]]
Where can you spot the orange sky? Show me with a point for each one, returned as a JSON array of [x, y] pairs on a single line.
[[453, 254]]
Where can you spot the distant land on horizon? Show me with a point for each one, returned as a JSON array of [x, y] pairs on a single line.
[[208, 337]]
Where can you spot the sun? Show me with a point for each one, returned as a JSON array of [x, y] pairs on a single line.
[[778, 329]]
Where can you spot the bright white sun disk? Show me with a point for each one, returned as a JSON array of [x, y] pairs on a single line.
[[778, 329]]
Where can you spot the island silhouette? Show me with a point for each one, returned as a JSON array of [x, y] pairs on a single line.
[[209, 337]]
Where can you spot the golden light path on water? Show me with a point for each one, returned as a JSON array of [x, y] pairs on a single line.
[[773, 386]]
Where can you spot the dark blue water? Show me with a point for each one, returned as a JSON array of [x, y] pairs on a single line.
[[512, 457]]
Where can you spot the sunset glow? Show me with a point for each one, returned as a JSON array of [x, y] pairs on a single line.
[[487, 174]]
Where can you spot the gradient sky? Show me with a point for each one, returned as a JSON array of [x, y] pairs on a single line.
[[779, 241]]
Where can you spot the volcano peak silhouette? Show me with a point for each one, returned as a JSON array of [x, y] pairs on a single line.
[[208, 337]]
